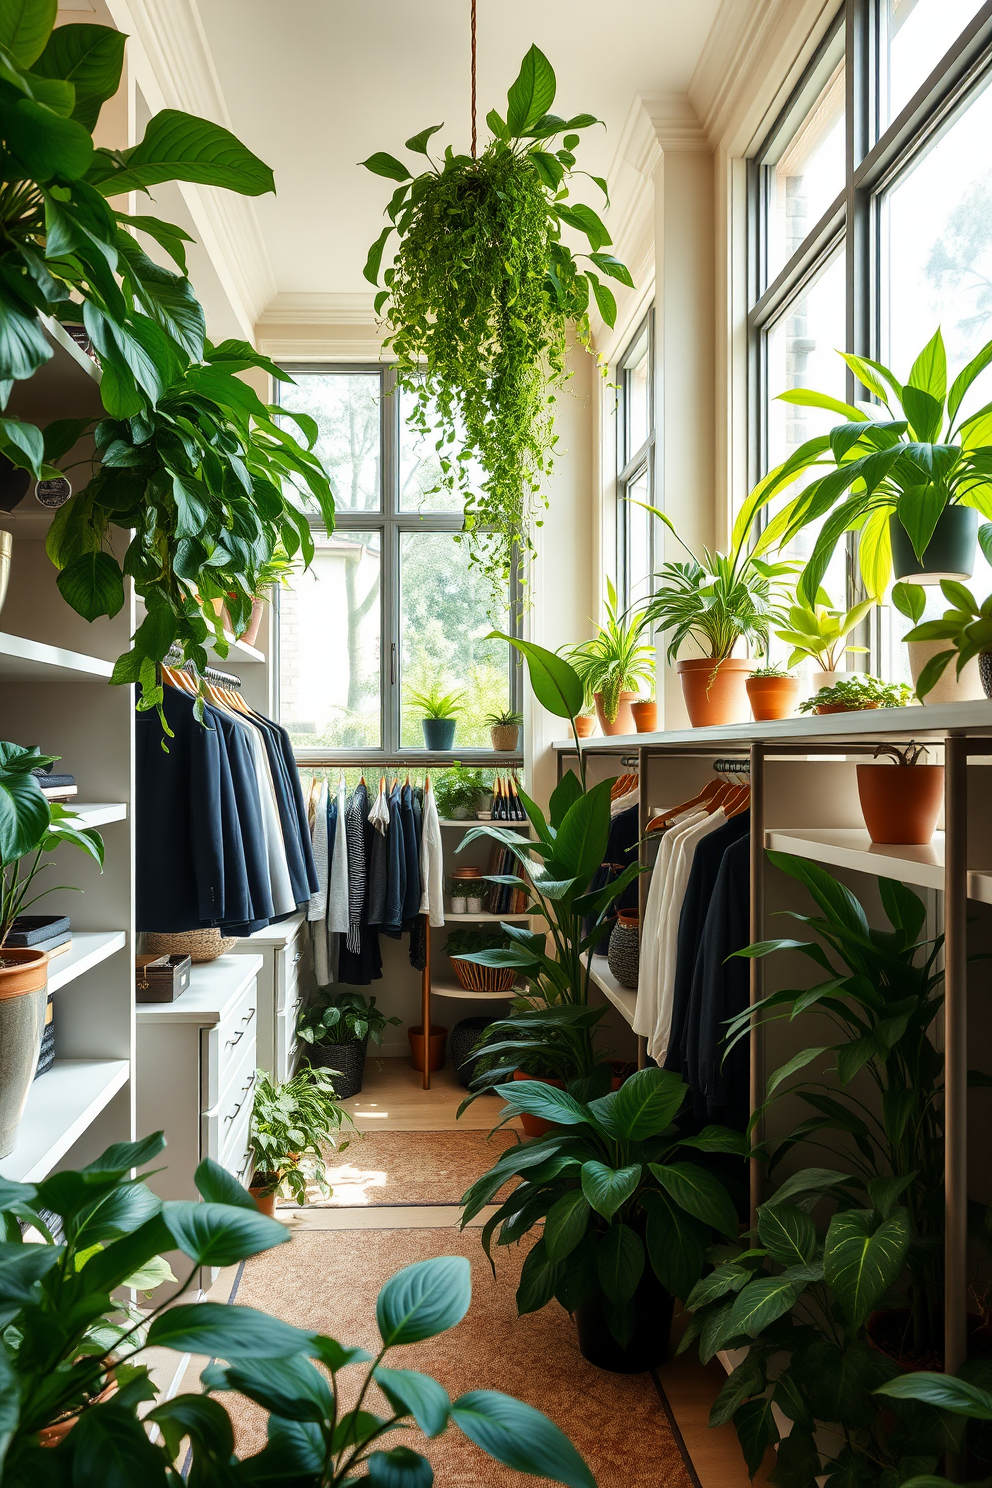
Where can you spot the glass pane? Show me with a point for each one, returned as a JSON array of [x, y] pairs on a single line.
[[329, 645], [801, 350], [806, 173], [637, 527], [347, 409], [444, 619], [635, 390], [916, 34], [420, 468]]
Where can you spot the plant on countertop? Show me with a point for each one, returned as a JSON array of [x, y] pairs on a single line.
[[860, 691], [31, 824], [344, 1018], [616, 660], [290, 1125], [64, 1333], [479, 300], [912, 464], [615, 1195], [966, 626], [820, 632], [457, 788]]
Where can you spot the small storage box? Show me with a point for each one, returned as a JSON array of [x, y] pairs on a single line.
[[161, 978]]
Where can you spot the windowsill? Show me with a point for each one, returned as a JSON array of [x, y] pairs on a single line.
[[487, 758]]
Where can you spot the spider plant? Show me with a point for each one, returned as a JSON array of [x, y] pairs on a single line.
[[616, 660]]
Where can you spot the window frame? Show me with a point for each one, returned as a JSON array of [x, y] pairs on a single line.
[[630, 466], [392, 522]]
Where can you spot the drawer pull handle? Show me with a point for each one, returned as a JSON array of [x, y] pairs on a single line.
[[297, 957], [247, 1087], [236, 1039], [248, 1016]]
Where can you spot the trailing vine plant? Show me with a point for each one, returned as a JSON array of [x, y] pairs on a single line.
[[479, 300]]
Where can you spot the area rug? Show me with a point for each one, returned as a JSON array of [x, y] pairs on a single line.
[[328, 1280], [393, 1167]]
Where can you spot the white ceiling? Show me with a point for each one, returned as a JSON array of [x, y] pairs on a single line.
[[314, 86]]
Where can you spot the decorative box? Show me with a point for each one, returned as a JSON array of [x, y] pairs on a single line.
[[161, 978]]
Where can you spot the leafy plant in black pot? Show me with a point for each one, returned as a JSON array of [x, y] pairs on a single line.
[[338, 1030], [627, 1209]]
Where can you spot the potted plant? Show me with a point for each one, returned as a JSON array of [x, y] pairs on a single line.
[[627, 1209], [504, 729], [858, 691], [472, 976], [901, 801], [480, 299], [274, 572], [291, 1124], [820, 632], [585, 722], [440, 715], [719, 600], [907, 476], [948, 687], [30, 828], [772, 693], [964, 632], [612, 664], [110, 1227], [457, 791], [338, 1030], [644, 711]]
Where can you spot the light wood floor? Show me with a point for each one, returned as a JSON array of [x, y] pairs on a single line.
[[393, 1098]]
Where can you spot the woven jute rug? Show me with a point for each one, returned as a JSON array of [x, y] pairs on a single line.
[[415, 1167], [328, 1280]]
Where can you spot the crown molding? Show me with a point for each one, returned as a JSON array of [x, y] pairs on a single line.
[[675, 122], [170, 59], [289, 309]]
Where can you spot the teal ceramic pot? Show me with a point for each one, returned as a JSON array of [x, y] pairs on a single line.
[[950, 553], [23, 995], [439, 733]]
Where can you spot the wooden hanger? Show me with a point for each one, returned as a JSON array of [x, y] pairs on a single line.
[[706, 795]]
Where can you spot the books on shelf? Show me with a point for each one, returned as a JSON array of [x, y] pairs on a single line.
[[504, 899]]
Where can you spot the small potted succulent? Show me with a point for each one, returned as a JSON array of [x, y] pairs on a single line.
[[964, 631], [820, 632], [457, 792], [440, 715], [504, 729], [851, 694], [338, 1030], [773, 693], [291, 1124], [613, 664], [901, 801]]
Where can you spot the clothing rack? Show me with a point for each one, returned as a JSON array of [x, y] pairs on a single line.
[[174, 659]]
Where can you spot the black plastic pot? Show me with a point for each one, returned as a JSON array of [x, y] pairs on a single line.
[[439, 733], [347, 1059], [653, 1307], [950, 553]]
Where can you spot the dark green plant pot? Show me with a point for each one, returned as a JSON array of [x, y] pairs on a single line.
[[653, 1307], [950, 553], [439, 733]]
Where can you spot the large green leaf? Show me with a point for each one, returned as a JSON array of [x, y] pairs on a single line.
[[45, 145], [221, 1234], [218, 1186], [647, 1103], [289, 1387], [608, 1189], [761, 1302], [919, 510], [424, 1299], [401, 1467], [24, 810], [863, 1257], [555, 684], [383, 164], [619, 1262], [231, 1332], [563, 797], [787, 1233], [531, 94], [747, 1380], [23, 345], [942, 1390], [676, 1244], [111, 1447], [25, 26], [699, 1192], [539, 1099], [520, 1437], [92, 585], [91, 58], [583, 835], [929, 371], [418, 1395], [181, 147], [756, 1431], [565, 1224], [539, 1275]]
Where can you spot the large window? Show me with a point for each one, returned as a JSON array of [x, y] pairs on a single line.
[[870, 225], [391, 607], [635, 466]]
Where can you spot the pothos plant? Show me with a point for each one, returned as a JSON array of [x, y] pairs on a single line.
[[480, 297]]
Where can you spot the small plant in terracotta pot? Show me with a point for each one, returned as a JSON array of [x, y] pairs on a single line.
[[504, 730], [852, 694], [645, 715], [901, 801], [291, 1124], [585, 724], [613, 664], [773, 693]]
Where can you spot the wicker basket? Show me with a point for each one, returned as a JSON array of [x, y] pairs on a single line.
[[198, 945], [475, 978], [463, 1039], [347, 1059]]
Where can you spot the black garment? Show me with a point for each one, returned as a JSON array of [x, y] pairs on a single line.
[[703, 875], [300, 806], [411, 856], [418, 924], [392, 924], [360, 968], [621, 851], [720, 990], [378, 871], [248, 809]]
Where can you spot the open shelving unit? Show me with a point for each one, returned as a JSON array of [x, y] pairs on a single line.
[[55, 693]]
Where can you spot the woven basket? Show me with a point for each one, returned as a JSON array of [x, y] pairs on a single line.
[[347, 1059], [198, 945], [475, 978]]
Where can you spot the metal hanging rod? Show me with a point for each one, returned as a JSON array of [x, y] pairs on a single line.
[[735, 765], [174, 659], [354, 759]]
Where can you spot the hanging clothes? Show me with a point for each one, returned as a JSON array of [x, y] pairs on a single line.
[[356, 822], [431, 862], [379, 820], [338, 912], [621, 850], [318, 899], [646, 1006], [410, 813], [392, 921], [720, 990]]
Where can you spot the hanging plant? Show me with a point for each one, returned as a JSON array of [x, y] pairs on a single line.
[[479, 300]]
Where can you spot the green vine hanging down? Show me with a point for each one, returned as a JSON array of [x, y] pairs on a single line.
[[479, 300]]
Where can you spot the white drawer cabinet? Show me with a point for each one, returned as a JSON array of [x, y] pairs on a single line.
[[283, 948]]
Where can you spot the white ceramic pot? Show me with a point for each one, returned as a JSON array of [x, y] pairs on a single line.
[[473, 906], [950, 688], [457, 904], [829, 679]]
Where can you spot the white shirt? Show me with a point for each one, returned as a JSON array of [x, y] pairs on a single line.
[[283, 898], [646, 1006], [318, 900], [431, 862], [679, 867]]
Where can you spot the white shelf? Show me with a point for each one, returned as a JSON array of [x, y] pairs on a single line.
[[449, 916], [475, 821], [31, 661], [851, 847], [98, 814], [88, 949], [624, 999], [213, 988], [238, 651], [62, 1104], [455, 989]]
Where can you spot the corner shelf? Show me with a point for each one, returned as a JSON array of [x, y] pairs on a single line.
[[88, 949], [483, 916], [62, 1103], [851, 847], [624, 999], [455, 989], [98, 814], [32, 661]]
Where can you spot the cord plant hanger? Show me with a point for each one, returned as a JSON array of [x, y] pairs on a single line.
[[480, 298]]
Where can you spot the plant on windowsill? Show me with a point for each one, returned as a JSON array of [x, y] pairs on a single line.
[[479, 301], [65, 1335], [966, 628], [504, 729], [772, 692], [626, 1218], [440, 712], [613, 664], [338, 1030], [291, 1124], [820, 632], [901, 799], [458, 791], [858, 691]]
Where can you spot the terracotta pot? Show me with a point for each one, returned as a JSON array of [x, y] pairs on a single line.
[[23, 995], [536, 1126], [51, 1436], [645, 715], [845, 707], [950, 688], [585, 726], [438, 1039], [772, 697], [901, 803], [505, 737], [715, 692], [250, 634], [265, 1203], [624, 721]]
